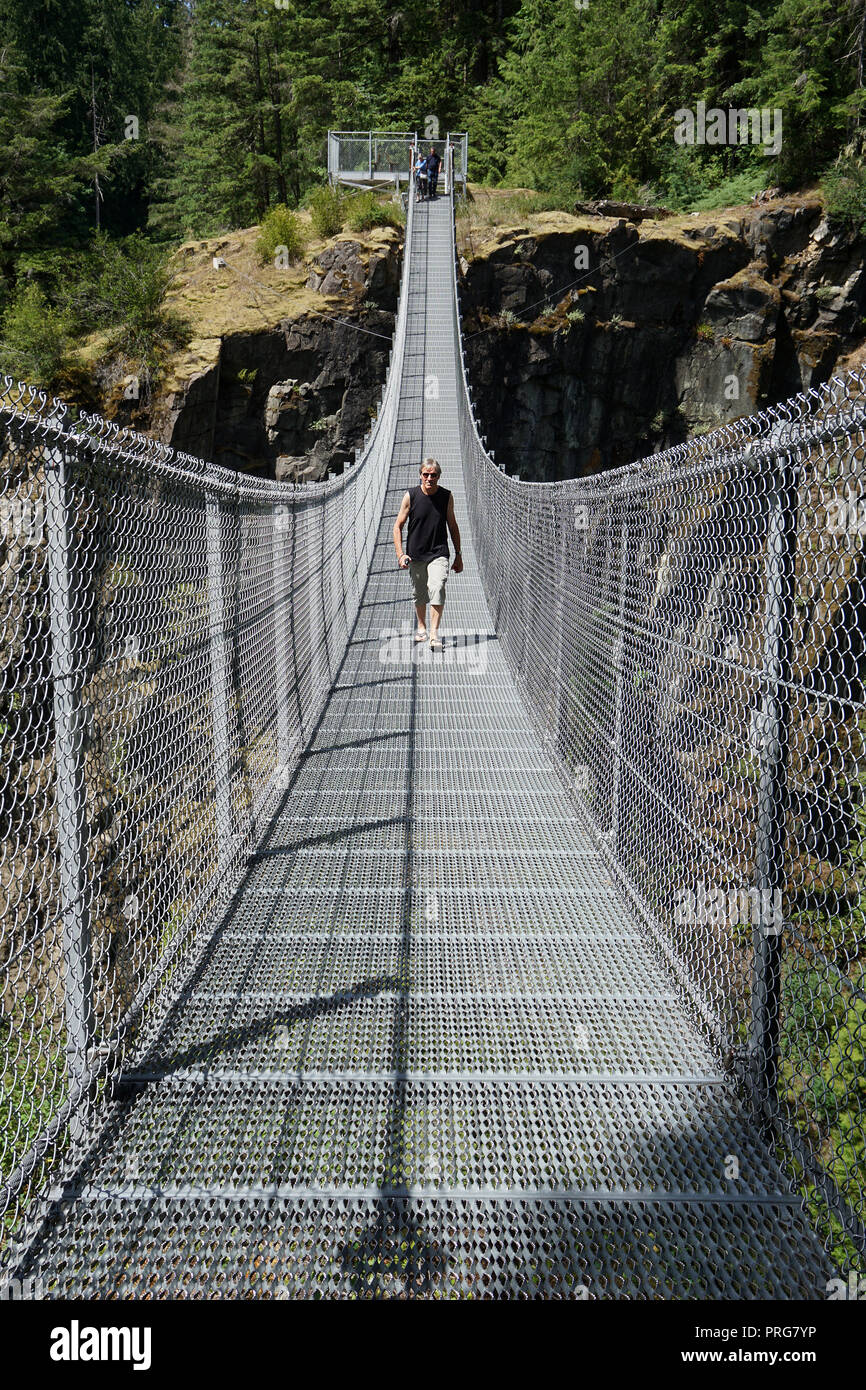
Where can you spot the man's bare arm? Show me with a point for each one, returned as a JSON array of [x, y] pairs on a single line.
[[457, 563], [402, 518]]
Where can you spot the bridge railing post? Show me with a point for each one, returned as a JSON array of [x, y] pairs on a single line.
[[618, 658], [220, 676], [282, 581], [563, 732], [68, 668], [772, 786]]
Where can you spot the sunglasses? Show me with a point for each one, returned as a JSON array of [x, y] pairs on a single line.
[[429, 475]]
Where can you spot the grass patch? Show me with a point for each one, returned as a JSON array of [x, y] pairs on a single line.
[[32, 1089], [825, 294], [526, 204]]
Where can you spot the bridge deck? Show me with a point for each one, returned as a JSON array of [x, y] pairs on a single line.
[[427, 1052]]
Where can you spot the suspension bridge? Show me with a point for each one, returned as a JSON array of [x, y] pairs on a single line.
[[337, 967]]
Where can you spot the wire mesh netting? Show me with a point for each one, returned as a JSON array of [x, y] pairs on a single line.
[[369, 155], [688, 632], [170, 631], [356, 156]]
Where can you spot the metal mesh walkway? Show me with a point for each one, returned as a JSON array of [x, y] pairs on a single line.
[[427, 1051]]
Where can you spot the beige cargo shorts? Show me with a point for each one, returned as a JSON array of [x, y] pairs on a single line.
[[428, 579]]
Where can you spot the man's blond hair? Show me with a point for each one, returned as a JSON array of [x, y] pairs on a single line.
[[426, 463]]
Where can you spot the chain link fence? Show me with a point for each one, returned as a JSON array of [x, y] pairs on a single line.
[[689, 634], [369, 156], [374, 156], [170, 631]]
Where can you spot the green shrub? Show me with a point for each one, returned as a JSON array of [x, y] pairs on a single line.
[[134, 280], [280, 235], [810, 1010], [699, 183], [730, 192], [844, 1061], [823, 1080], [34, 337], [828, 1227], [843, 187], [327, 207], [625, 187], [122, 285], [31, 1092], [366, 211]]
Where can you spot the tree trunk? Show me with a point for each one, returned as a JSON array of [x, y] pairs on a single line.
[[97, 191], [261, 143], [274, 84]]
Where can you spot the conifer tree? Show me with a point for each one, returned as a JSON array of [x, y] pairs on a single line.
[[39, 179]]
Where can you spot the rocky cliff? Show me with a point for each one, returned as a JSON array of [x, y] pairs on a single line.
[[286, 365], [593, 340]]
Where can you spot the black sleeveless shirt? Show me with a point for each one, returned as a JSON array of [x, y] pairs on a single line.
[[427, 536]]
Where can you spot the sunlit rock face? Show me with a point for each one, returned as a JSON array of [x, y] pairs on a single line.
[[295, 398], [593, 340]]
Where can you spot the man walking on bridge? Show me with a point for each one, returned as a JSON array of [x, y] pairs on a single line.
[[429, 510]]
